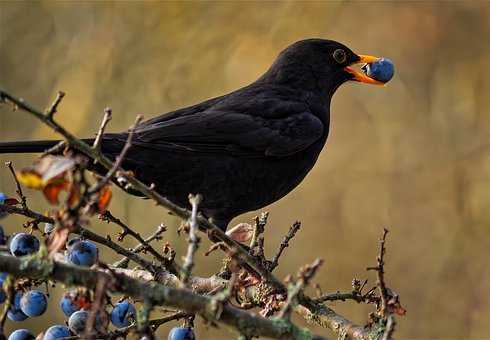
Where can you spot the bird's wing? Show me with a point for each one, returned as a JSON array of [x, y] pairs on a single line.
[[215, 131]]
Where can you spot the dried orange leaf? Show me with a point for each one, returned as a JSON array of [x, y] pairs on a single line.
[[105, 196], [30, 179], [242, 232], [57, 240], [399, 310], [52, 190], [53, 166], [74, 195]]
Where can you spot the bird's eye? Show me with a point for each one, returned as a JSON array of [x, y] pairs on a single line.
[[340, 56]]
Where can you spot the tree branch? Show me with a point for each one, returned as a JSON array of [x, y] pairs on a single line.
[[158, 294]]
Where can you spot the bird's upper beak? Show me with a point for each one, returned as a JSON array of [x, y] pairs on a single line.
[[359, 76]]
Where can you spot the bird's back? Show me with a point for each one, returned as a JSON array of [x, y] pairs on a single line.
[[241, 151]]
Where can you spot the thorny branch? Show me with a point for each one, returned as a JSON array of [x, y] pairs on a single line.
[[143, 246], [244, 322], [193, 240], [23, 199], [284, 244], [98, 138], [192, 302]]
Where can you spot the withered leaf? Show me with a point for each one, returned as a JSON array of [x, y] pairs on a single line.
[[242, 232], [57, 240], [52, 190], [105, 196]]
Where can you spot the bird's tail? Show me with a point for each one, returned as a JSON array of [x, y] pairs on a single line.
[[27, 146], [32, 146]]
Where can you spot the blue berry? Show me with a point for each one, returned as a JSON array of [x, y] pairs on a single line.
[[33, 303], [21, 334], [15, 313], [67, 304], [23, 244], [181, 333], [3, 197], [3, 296], [382, 70], [3, 238], [82, 252], [78, 320], [123, 314], [56, 332]]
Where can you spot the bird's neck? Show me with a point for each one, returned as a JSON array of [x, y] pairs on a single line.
[[302, 78]]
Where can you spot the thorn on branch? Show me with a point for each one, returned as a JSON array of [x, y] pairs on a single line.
[[259, 228], [54, 106], [98, 138], [284, 244]]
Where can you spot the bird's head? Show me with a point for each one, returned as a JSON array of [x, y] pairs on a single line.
[[319, 65]]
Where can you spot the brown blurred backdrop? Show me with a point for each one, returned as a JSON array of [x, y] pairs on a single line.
[[414, 156]]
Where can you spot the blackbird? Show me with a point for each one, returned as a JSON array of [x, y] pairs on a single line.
[[246, 149]]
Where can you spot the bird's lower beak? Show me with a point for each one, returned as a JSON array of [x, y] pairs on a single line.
[[358, 75]]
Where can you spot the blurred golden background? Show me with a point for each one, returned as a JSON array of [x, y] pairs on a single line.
[[413, 156]]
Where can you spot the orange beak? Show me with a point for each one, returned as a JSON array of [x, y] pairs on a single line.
[[361, 77]]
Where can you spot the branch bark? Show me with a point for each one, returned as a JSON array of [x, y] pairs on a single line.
[[244, 322]]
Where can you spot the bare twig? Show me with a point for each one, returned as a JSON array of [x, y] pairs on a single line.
[[390, 328], [305, 274], [54, 106], [284, 244], [176, 316], [193, 240], [380, 274], [259, 228], [23, 199], [143, 246], [82, 232], [98, 138], [10, 292], [119, 159]]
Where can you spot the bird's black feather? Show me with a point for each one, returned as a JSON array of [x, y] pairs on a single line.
[[243, 150]]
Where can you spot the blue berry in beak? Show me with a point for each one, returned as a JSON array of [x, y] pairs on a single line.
[[381, 70]]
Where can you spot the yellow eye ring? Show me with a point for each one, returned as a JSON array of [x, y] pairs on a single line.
[[339, 56]]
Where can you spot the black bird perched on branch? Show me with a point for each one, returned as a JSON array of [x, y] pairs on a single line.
[[246, 149]]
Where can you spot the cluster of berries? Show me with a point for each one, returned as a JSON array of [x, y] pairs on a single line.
[[74, 304]]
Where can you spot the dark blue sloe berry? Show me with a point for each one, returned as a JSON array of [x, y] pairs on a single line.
[[33, 303], [78, 320], [3, 296], [15, 313], [382, 70], [82, 253], [68, 305], [56, 332], [181, 333], [23, 244], [21, 334], [3, 197], [3, 238], [123, 314]]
